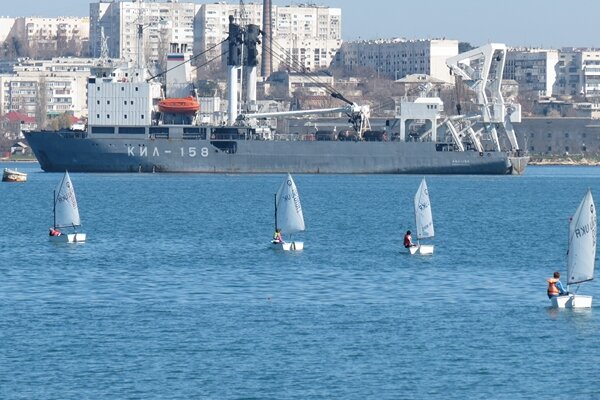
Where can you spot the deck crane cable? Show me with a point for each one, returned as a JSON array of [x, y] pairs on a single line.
[[297, 67]]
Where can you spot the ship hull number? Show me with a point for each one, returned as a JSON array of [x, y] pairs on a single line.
[[143, 151]]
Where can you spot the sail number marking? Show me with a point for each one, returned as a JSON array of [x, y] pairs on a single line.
[[143, 151]]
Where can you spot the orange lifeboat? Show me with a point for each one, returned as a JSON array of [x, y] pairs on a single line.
[[186, 105]]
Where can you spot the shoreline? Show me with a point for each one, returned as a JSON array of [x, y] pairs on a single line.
[[565, 161]]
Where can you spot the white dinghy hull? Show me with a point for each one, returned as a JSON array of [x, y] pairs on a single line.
[[288, 246], [422, 249], [572, 301], [68, 238], [426, 249]]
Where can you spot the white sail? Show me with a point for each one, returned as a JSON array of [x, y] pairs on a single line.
[[423, 216], [66, 212], [289, 211], [582, 242]]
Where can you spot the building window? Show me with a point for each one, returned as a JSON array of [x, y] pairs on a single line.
[[108, 116], [549, 135], [549, 149], [532, 135], [125, 116], [566, 134]]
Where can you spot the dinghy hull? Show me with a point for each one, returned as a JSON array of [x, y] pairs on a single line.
[[288, 246], [572, 301], [69, 238]]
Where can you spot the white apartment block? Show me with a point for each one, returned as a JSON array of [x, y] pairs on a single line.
[[48, 37], [165, 27], [534, 69], [304, 36], [397, 58], [578, 74], [6, 25], [64, 81]]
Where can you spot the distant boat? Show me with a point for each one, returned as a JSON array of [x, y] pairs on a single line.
[[424, 220], [288, 214], [185, 105], [581, 254], [12, 175], [66, 212]]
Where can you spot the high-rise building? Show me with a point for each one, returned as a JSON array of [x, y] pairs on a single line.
[[142, 31], [305, 37], [533, 69]]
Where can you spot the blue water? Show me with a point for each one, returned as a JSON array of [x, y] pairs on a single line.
[[176, 294]]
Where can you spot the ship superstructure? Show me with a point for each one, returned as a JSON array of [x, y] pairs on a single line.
[[129, 131]]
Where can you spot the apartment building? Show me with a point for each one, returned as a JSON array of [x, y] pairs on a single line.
[[397, 58], [535, 70], [50, 37], [305, 37], [142, 32], [59, 85]]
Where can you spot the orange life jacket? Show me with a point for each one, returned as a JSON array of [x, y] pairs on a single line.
[[552, 289]]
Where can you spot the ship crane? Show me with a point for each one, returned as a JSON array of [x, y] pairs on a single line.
[[481, 69], [358, 116]]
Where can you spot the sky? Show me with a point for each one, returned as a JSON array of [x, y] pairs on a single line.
[[527, 23]]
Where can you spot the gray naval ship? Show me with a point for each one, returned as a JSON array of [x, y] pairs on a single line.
[[129, 131]]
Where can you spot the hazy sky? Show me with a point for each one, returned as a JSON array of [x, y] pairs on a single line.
[[540, 23]]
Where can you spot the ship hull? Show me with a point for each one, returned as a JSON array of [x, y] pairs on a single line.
[[60, 151]]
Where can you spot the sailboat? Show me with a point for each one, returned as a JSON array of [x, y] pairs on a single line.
[[66, 212], [288, 214], [424, 220], [581, 254]]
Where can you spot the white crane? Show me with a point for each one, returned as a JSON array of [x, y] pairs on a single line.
[[481, 69]]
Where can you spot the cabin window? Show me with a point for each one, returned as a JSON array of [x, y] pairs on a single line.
[[103, 129], [132, 130]]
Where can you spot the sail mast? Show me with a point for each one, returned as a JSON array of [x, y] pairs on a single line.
[[275, 211]]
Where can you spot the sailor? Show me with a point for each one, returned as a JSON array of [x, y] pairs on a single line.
[[53, 232], [277, 236], [555, 287], [408, 240]]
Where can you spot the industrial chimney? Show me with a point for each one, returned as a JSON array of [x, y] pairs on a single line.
[[266, 63]]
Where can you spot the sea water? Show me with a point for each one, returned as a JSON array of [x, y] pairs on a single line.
[[177, 295]]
